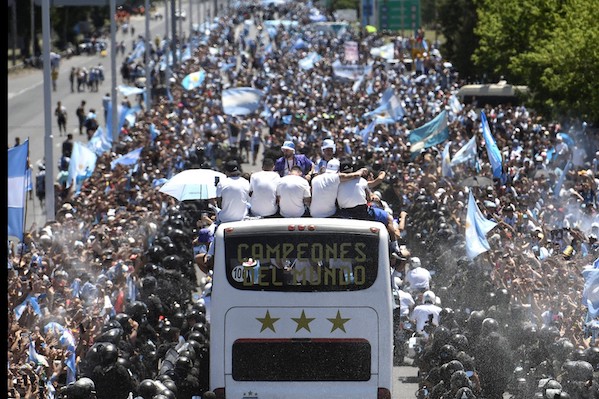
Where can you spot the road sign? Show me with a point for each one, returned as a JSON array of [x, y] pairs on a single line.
[[399, 14]]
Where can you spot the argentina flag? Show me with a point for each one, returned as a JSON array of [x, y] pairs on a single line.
[[492, 151], [16, 189], [241, 100], [477, 227], [193, 80], [82, 165], [429, 134]]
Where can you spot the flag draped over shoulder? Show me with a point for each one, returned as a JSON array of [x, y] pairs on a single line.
[[590, 293], [477, 227], [492, 151], [16, 188], [429, 134], [467, 153], [241, 100], [81, 166]]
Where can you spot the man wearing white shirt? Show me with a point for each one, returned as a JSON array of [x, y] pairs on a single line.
[[263, 190], [324, 189], [353, 195], [418, 278], [428, 311], [233, 195], [293, 194]]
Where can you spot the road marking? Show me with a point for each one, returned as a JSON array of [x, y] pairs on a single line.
[[11, 95]]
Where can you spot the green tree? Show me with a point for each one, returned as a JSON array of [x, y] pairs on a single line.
[[457, 19]]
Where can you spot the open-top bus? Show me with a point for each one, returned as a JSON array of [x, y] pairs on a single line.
[[301, 308]]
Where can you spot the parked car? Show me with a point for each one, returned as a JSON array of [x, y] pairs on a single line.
[[89, 46], [180, 14]]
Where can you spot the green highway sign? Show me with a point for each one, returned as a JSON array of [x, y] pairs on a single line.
[[399, 14]]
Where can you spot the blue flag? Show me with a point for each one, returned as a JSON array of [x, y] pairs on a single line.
[[154, 133], [82, 165], [429, 134], [138, 51], [492, 151], [308, 61], [560, 181], [366, 132], [241, 100], [130, 158], [477, 227], [193, 80], [389, 110], [590, 293], [16, 188], [129, 90], [466, 153]]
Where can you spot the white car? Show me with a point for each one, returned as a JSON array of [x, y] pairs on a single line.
[[180, 14]]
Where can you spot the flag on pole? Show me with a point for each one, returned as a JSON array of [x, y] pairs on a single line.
[[389, 110], [466, 153], [477, 227], [16, 188], [241, 100], [492, 151], [429, 134], [82, 165], [366, 132]]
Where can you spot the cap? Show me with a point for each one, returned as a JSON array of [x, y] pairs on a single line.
[[332, 166], [328, 143], [232, 166], [288, 145], [205, 236], [346, 167]]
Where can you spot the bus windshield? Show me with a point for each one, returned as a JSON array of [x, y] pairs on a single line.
[[300, 261]]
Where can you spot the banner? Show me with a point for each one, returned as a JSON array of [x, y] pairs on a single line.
[[351, 51], [16, 188]]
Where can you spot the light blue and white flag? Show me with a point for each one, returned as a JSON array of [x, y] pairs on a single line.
[[193, 80], [241, 100], [590, 293], [369, 88], [466, 153], [429, 134], [129, 90], [308, 61], [389, 110], [446, 162], [560, 182], [455, 104], [32, 302], [350, 71], [386, 51], [367, 132], [99, 143], [130, 158], [138, 52], [82, 165], [186, 54], [16, 189], [477, 227], [492, 151], [154, 133]]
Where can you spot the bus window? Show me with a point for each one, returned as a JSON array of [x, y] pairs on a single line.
[[302, 262]]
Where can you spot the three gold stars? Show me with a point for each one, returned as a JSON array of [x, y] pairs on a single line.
[[303, 322]]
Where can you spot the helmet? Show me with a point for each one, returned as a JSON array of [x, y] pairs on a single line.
[[446, 316], [137, 310], [428, 297], [460, 341], [123, 320], [447, 353], [202, 329], [172, 262], [459, 379], [83, 388], [109, 354], [488, 326], [112, 336], [200, 306], [147, 389], [183, 364], [197, 336], [149, 283]]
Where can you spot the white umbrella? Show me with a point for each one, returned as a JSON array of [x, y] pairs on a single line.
[[193, 184]]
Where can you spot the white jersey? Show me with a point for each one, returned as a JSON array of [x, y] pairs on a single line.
[[406, 302], [234, 192], [263, 186], [421, 314], [352, 193], [419, 278], [324, 195], [292, 190]]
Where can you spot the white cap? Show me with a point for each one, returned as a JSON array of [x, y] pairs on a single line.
[[429, 296], [328, 143], [332, 166], [415, 262]]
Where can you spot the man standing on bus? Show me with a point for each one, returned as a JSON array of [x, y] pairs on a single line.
[[353, 195], [284, 164], [263, 190]]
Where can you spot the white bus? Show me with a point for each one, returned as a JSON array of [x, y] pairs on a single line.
[[301, 308]]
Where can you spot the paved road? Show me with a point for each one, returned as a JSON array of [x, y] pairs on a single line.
[[26, 108]]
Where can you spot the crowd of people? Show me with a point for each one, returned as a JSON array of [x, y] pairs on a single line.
[[104, 298]]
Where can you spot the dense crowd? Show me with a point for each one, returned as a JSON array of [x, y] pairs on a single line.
[[106, 294]]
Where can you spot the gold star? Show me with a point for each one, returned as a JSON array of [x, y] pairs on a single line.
[[267, 322], [338, 322], [302, 322]]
